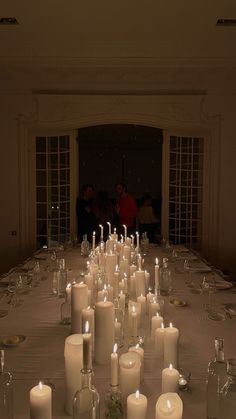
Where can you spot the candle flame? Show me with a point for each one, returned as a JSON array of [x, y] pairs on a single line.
[[81, 283], [94, 233], [157, 314], [137, 346], [171, 367], [116, 320], [137, 233], [68, 286], [105, 299], [105, 287], [162, 326], [168, 404], [171, 324], [115, 347], [86, 328], [133, 309], [156, 261], [88, 308], [108, 223], [114, 229], [121, 292], [40, 385], [137, 394]]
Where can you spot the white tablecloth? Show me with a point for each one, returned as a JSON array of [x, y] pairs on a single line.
[[40, 356]]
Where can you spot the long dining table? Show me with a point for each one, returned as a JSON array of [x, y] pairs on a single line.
[[41, 355]]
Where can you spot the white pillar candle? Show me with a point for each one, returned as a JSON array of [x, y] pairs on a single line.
[[159, 340], [79, 300], [111, 262], [129, 373], [157, 276], [132, 286], [88, 316], [134, 322], [142, 300], [138, 350], [114, 366], [126, 253], [140, 282], [122, 300], [116, 281], [73, 364], [93, 243], [136, 406], [104, 331], [109, 227], [132, 269], [137, 306], [171, 346], [170, 380], [124, 266], [157, 320], [154, 307], [169, 406], [41, 402]]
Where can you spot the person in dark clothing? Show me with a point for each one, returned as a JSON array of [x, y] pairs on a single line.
[[85, 218], [126, 208], [103, 211]]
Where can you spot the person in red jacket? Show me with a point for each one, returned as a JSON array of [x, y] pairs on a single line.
[[126, 208]]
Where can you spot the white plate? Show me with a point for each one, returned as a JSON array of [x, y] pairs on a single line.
[[223, 285]]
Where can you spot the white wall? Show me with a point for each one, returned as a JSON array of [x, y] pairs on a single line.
[[80, 111]]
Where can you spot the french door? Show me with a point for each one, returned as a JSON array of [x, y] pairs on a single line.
[[183, 189]]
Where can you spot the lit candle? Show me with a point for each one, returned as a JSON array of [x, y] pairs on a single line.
[[125, 231], [79, 300], [154, 307], [88, 316], [94, 238], [109, 228], [137, 239], [87, 348], [132, 240], [169, 405], [122, 300], [114, 366], [170, 380], [41, 402], [129, 373], [136, 406], [149, 297], [126, 253], [68, 292], [101, 234], [157, 320], [157, 277], [142, 300], [159, 340], [132, 269], [111, 263], [171, 339], [117, 330], [140, 282], [104, 331], [134, 322], [73, 364]]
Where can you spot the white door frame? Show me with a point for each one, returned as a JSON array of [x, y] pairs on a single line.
[[29, 129]]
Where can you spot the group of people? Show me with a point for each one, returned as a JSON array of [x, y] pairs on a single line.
[[95, 210]]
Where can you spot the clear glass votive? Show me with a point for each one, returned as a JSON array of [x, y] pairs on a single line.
[[184, 379]]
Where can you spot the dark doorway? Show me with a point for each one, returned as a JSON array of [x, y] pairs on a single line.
[[132, 154]]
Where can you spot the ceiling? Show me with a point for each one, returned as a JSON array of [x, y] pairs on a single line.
[[108, 46]]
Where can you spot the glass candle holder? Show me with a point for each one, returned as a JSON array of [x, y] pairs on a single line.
[[184, 379]]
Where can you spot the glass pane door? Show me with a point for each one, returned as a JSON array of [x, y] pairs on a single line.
[[52, 189], [186, 190]]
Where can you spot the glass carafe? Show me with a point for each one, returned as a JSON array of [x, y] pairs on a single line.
[[216, 378], [144, 244], [6, 391], [62, 278], [165, 278], [86, 401], [85, 246], [227, 402]]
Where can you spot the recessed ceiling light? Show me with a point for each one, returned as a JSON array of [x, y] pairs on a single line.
[[226, 22], [8, 21]]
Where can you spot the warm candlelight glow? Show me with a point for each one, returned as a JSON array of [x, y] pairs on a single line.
[[68, 286], [81, 283], [94, 233], [114, 230], [115, 348], [162, 326], [171, 367], [171, 324], [168, 404], [157, 315], [88, 308], [156, 261], [137, 346], [40, 386], [105, 287], [133, 309], [105, 299], [137, 394], [86, 328]]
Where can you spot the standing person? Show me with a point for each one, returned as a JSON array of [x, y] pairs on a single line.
[[103, 211], [126, 207], [84, 212]]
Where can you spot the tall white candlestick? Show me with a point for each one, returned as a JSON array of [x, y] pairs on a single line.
[[94, 238], [87, 348], [156, 322], [122, 300], [142, 300], [134, 322], [114, 366], [136, 406], [104, 331], [157, 277], [138, 350], [171, 346], [137, 240], [73, 364], [169, 406], [88, 316], [125, 231], [41, 402], [140, 282], [101, 234], [170, 380], [109, 228]]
